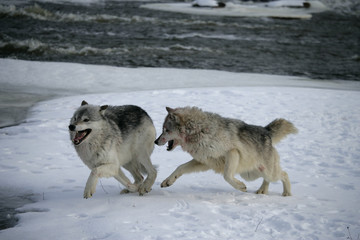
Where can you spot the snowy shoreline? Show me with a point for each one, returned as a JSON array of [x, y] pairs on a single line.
[[322, 160], [25, 83], [279, 9]]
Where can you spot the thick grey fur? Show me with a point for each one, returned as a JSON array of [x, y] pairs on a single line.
[[121, 136], [227, 146]]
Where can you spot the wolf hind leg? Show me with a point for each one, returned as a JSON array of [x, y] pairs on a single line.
[[231, 165], [136, 173], [264, 188], [124, 180], [286, 184], [189, 167], [145, 186], [138, 179]]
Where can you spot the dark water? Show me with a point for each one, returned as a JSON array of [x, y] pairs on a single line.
[[9, 201], [122, 34]]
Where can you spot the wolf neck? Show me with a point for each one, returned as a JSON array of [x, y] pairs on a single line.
[[95, 150], [195, 133], [200, 150], [199, 146], [205, 139], [93, 154]]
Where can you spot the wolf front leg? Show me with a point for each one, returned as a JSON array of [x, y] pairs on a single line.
[[106, 170], [189, 167], [231, 165], [90, 187]]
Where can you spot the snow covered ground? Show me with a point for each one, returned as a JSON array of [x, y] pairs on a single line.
[[322, 160], [292, 9]]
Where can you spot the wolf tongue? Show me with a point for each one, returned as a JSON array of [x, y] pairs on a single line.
[[79, 136]]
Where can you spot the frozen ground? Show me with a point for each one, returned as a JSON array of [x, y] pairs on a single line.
[[322, 160]]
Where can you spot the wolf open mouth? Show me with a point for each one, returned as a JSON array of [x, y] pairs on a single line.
[[171, 145], [80, 136]]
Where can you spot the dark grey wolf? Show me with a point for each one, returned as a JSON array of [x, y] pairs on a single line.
[[107, 138], [227, 146]]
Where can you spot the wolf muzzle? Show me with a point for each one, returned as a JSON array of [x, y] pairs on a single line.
[[72, 127]]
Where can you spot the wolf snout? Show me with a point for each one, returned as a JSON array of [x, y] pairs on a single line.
[[159, 141], [72, 127]]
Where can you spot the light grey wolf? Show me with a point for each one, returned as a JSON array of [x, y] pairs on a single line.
[[227, 146], [107, 138]]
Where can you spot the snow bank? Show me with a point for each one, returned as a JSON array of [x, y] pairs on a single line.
[[322, 161], [71, 78], [280, 9]]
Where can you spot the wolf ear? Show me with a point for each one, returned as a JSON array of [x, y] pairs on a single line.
[[173, 115], [170, 110], [103, 108], [84, 103]]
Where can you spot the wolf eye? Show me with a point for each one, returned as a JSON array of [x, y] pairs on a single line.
[[86, 120]]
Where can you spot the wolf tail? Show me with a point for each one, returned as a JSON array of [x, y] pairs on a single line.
[[280, 128]]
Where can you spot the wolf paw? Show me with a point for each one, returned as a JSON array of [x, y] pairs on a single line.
[[88, 193], [144, 189], [286, 194], [132, 187], [167, 183], [241, 186], [124, 191], [261, 191], [243, 189]]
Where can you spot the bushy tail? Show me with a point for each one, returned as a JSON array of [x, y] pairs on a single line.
[[280, 128]]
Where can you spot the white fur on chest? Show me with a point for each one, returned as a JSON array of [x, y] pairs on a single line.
[[94, 155]]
